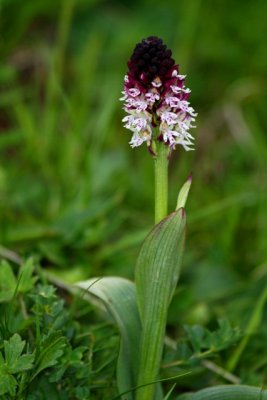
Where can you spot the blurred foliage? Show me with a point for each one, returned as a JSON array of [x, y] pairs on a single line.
[[73, 193], [51, 347]]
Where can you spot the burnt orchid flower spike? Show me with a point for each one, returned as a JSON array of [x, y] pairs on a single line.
[[155, 97]]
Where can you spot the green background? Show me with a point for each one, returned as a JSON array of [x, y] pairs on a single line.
[[78, 198]]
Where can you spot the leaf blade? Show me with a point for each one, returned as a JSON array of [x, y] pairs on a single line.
[[118, 296], [157, 274]]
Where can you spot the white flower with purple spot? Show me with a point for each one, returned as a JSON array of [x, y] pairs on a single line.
[[152, 97], [169, 117], [134, 92]]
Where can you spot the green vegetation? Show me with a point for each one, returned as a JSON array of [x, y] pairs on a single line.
[[76, 199], [64, 353]]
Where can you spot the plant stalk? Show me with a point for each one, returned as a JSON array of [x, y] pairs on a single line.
[[161, 182]]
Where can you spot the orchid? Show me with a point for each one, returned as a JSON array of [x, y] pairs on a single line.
[[155, 96]]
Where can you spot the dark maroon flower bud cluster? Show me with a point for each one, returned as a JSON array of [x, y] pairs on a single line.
[[150, 59]]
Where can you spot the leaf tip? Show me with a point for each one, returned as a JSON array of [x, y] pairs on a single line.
[[183, 194]]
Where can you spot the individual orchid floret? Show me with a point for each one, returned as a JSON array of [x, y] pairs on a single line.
[[155, 96]]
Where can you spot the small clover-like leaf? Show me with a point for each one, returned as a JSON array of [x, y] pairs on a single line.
[[8, 383], [223, 337], [214, 341], [50, 351], [196, 335], [27, 280], [7, 282], [16, 362], [13, 348]]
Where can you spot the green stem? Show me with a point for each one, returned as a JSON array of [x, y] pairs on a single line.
[[161, 182], [154, 322]]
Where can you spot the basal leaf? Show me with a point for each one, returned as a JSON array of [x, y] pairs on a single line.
[[157, 273], [117, 296], [158, 264], [227, 392]]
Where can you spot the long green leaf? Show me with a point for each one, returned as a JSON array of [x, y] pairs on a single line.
[[227, 392], [118, 297], [157, 273]]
